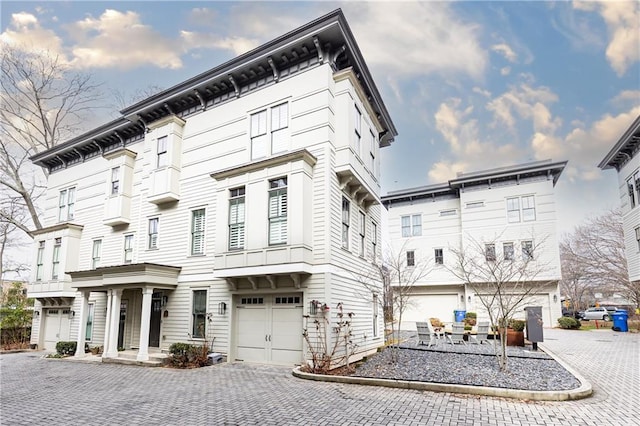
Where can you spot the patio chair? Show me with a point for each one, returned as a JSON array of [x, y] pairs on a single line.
[[457, 334], [425, 336], [438, 333], [481, 335]]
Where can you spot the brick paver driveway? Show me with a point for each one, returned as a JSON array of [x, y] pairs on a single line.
[[40, 391]]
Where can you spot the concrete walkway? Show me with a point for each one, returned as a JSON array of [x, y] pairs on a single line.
[[38, 391]]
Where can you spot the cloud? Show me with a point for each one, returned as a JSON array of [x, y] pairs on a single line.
[[623, 24], [202, 16], [506, 51], [627, 97], [237, 45], [505, 71], [483, 92], [25, 31]]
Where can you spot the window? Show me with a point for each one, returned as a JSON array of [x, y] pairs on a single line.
[[115, 181], [513, 210], [630, 190], [236, 219], [363, 230], [357, 119], [89, 332], [39, 261], [95, 254], [528, 208], [527, 250], [197, 231], [374, 240], [638, 236], [153, 233], [490, 252], [439, 256], [375, 315], [128, 248], [636, 180], [163, 156], [372, 152], [411, 225], [345, 222], [66, 204], [56, 258], [508, 251], [411, 258], [279, 130], [448, 212], [278, 211], [199, 314]]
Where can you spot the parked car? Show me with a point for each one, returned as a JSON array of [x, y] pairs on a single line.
[[600, 313]]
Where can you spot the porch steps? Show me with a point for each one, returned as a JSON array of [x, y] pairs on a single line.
[[129, 358]]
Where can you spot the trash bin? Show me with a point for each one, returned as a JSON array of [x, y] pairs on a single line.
[[459, 315], [620, 320]]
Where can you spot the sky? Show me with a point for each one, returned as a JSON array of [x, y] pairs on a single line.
[[469, 85]]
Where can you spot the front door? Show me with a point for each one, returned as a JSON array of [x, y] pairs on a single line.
[[156, 315], [123, 319]]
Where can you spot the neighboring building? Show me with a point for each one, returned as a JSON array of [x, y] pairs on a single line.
[[512, 209], [220, 208], [625, 158]]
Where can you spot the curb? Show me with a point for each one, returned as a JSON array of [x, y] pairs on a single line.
[[585, 389]]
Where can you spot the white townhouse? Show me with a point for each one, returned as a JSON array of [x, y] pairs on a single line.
[[221, 209], [625, 158], [509, 210]]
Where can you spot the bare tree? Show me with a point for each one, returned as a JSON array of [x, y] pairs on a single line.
[[596, 248], [504, 282], [574, 284], [42, 103]]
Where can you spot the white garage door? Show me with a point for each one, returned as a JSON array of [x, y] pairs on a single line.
[[269, 329], [56, 327], [542, 301], [424, 307]]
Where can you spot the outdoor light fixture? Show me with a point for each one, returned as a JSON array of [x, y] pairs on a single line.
[[36, 314], [313, 307], [72, 314], [469, 299], [461, 298], [165, 299], [222, 308], [555, 298]]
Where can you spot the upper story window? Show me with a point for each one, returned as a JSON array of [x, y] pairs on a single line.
[[411, 225], [96, 253], [40, 261], [374, 240], [197, 231], [236, 218], [115, 181], [128, 248], [521, 207], [163, 155], [527, 250], [363, 230], [490, 252], [357, 123], [372, 152], [66, 204], [638, 236], [153, 233], [439, 256], [411, 258], [278, 211], [277, 127], [631, 192], [508, 251], [346, 221], [55, 263]]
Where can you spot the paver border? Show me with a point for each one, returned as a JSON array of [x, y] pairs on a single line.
[[585, 389]]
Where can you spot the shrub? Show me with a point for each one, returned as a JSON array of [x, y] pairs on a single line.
[[66, 348], [517, 325], [185, 355], [471, 315], [436, 322], [569, 323]]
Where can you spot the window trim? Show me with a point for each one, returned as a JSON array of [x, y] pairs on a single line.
[[438, 259], [237, 196], [195, 315], [490, 252], [153, 234], [55, 258], [411, 229], [527, 253], [91, 312], [346, 222], [411, 258], [128, 249], [637, 230], [363, 232], [197, 234], [162, 152], [115, 180], [66, 208], [95, 260], [40, 260], [279, 193], [357, 126], [509, 255], [374, 240], [267, 135]]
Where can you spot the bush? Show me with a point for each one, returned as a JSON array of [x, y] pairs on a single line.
[[569, 323], [66, 348], [185, 355], [517, 325], [471, 315]]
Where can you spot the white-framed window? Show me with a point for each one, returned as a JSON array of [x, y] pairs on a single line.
[[357, 124], [163, 155], [636, 181], [375, 315], [527, 250], [411, 258], [372, 152], [363, 233], [278, 211], [528, 208], [55, 263], [277, 127], [88, 336], [374, 240], [66, 204], [638, 236], [513, 210], [96, 252], [154, 222], [346, 221], [115, 180], [40, 261], [236, 218], [490, 252], [508, 251], [411, 225], [199, 314], [128, 248], [438, 256], [521, 208], [197, 231]]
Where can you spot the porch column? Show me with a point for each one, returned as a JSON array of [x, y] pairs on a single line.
[[107, 325], [145, 320], [82, 327], [115, 320]]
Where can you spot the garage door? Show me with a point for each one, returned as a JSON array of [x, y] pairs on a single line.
[[520, 313], [56, 327], [424, 307], [269, 329]]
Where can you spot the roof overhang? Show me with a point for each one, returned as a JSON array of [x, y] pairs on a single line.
[[124, 276], [626, 147]]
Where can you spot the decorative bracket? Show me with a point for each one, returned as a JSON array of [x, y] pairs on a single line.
[[232, 283], [119, 136], [254, 282], [95, 142], [296, 280], [343, 182], [203, 105], [276, 74], [336, 54], [235, 85], [316, 41], [166, 105], [272, 281]]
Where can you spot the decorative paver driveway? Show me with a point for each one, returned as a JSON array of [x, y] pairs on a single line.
[[40, 391]]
